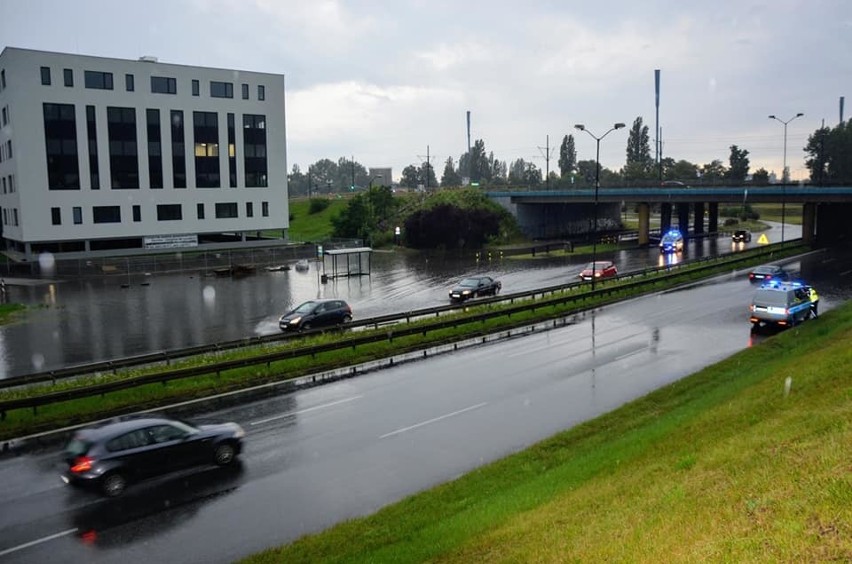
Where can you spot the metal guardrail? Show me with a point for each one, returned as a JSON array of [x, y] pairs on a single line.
[[168, 356]]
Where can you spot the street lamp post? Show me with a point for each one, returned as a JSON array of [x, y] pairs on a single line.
[[597, 139], [784, 178], [370, 205]]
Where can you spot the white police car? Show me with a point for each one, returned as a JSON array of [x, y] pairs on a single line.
[[780, 303]]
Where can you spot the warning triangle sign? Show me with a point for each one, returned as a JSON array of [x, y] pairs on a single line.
[[763, 240]]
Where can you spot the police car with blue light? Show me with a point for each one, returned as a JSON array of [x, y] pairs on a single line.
[[671, 242], [783, 304]]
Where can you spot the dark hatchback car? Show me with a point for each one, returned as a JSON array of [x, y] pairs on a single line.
[[767, 273], [473, 287], [111, 456], [316, 313], [741, 236]]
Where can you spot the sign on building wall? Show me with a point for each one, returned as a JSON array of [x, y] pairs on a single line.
[[170, 241]]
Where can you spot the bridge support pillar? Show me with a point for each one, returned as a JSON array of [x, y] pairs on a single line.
[[698, 219], [665, 217], [644, 223], [809, 222], [713, 217], [683, 219]]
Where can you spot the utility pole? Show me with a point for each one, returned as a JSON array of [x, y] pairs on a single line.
[[428, 166], [547, 153], [353, 172]]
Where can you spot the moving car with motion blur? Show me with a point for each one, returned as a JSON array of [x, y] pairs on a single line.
[[671, 242], [473, 287], [780, 303], [741, 236], [316, 313], [598, 269], [109, 457], [768, 273]]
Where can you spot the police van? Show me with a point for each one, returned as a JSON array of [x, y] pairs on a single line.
[[671, 242], [783, 304]]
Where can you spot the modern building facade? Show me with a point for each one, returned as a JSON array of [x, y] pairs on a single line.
[[108, 156]]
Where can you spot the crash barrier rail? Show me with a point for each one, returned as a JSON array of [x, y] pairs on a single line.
[[168, 356], [528, 304]]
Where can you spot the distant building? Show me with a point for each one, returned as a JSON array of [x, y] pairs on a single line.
[[382, 176], [110, 156]]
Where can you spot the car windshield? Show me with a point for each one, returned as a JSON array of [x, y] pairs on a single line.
[[767, 270], [306, 307], [77, 447], [597, 265], [469, 283]]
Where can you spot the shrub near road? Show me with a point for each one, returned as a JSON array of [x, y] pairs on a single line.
[[720, 466]]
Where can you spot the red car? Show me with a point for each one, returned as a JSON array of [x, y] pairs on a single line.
[[601, 269]]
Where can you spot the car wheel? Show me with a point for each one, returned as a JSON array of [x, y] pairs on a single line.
[[224, 454], [113, 485], [347, 319], [305, 327]]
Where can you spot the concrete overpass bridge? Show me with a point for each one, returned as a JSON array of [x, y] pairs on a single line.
[[826, 210]]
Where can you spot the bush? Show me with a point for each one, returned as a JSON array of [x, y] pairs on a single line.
[[317, 205]]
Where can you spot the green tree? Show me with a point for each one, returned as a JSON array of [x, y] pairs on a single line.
[[760, 177], [567, 156], [713, 172], [830, 154], [639, 165], [410, 177], [426, 175], [450, 177], [323, 175], [476, 163], [738, 164], [681, 170], [297, 183]]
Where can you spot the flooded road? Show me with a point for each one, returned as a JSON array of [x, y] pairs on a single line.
[[94, 319]]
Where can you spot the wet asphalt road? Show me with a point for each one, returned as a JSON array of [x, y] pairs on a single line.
[[96, 319], [322, 455]]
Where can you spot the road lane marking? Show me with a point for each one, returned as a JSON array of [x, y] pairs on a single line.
[[37, 541], [306, 410], [631, 353], [435, 420], [845, 273]]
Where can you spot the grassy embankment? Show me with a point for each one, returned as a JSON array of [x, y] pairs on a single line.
[[721, 466], [21, 422], [10, 312]]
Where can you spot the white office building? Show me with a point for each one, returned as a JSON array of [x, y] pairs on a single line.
[[107, 156]]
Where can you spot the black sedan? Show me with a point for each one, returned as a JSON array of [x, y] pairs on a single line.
[[473, 287], [316, 313], [767, 273], [108, 457]]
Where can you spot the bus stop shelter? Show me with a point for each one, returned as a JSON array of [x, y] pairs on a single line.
[[347, 262]]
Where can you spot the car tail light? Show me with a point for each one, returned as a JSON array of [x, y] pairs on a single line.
[[82, 464]]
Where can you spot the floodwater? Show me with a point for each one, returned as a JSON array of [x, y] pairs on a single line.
[[96, 319]]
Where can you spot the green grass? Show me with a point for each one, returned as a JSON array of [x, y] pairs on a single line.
[[313, 227], [721, 466], [772, 212], [20, 422], [10, 312]]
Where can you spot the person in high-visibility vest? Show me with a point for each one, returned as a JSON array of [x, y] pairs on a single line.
[[814, 297]]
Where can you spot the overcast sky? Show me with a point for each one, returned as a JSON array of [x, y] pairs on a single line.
[[382, 80]]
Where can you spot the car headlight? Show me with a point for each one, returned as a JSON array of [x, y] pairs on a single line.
[[238, 432], [466, 292], [295, 320]]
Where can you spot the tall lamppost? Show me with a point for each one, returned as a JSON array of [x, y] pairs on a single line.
[[370, 205], [784, 178], [597, 139]]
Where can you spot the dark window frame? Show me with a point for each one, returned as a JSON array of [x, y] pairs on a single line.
[[227, 210], [106, 214], [169, 212], [129, 83], [163, 85], [97, 80], [45, 76], [219, 89], [196, 87], [56, 216], [68, 77], [261, 92]]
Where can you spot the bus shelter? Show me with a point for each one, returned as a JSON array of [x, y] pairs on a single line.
[[347, 262]]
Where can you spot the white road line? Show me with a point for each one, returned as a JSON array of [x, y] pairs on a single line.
[[845, 272], [306, 410], [631, 353], [436, 419], [35, 542]]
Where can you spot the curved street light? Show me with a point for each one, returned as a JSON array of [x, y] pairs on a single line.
[[784, 178], [597, 139]]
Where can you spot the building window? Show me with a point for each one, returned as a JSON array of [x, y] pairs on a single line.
[[137, 213], [77, 212], [68, 76], [11, 183], [45, 76], [196, 87], [106, 214], [261, 92], [245, 92], [232, 152], [55, 216], [92, 135], [178, 152], [4, 184], [3, 79], [163, 85], [264, 209], [226, 210], [9, 148], [98, 80], [199, 208], [249, 209], [60, 135], [254, 149], [206, 136], [155, 157], [123, 153], [221, 89], [15, 215], [129, 83], [169, 212], [5, 117]]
